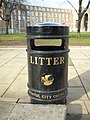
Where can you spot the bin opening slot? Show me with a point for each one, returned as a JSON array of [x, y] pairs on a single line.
[[46, 44]]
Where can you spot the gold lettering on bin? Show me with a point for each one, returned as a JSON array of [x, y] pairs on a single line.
[[34, 94], [47, 60], [57, 95], [31, 60], [61, 60], [41, 60], [47, 97], [36, 60], [56, 61]]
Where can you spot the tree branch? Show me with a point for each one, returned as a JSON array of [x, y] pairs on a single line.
[[86, 7], [3, 18], [80, 6], [72, 6]]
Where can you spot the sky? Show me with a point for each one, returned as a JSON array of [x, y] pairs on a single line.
[[56, 3]]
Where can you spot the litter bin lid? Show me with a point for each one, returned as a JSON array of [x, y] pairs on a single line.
[[48, 30], [47, 24]]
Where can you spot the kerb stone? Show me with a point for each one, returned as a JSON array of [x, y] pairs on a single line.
[[38, 112]]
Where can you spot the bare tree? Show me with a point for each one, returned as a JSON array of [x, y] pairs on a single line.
[[80, 12], [7, 7]]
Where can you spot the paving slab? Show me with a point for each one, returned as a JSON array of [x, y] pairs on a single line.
[[25, 70], [2, 52], [76, 93], [9, 100], [77, 55], [13, 83], [3, 88], [17, 62], [10, 54], [3, 62], [25, 99], [38, 112], [85, 78], [19, 88], [81, 65], [23, 55], [73, 79], [8, 75], [5, 110], [86, 53], [77, 107], [78, 117], [87, 103], [70, 63]]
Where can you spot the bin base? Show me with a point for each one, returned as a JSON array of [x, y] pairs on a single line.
[[63, 101], [50, 97]]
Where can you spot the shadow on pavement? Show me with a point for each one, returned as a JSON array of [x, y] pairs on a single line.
[[75, 116], [72, 96], [77, 92], [78, 117]]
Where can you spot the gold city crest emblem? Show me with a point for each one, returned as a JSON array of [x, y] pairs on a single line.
[[47, 79]]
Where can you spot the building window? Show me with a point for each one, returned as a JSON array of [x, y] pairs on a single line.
[[39, 8], [52, 14], [45, 14], [28, 18], [40, 19], [54, 10], [62, 10], [55, 20], [22, 7], [31, 8], [66, 19], [36, 19], [51, 10], [19, 12], [26, 7], [23, 13], [36, 13], [33, 19], [14, 17], [48, 9], [40, 13], [55, 14], [70, 11], [47, 19], [63, 16], [48, 14], [59, 16], [67, 16], [35, 8], [23, 18], [44, 19], [66, 11], [28, 13], [28, 22], [58, 10], [32, 13], [43, 9], [14, 12]]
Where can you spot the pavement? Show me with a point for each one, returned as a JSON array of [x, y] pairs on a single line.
[[15, 102]]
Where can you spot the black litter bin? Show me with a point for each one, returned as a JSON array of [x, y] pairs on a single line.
[[47, 51]]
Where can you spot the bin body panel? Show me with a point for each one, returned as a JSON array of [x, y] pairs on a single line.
[[48, 75], [47, 65]]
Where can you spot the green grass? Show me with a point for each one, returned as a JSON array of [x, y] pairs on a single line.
[[73, 40], [83, 40], [13, 37]]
